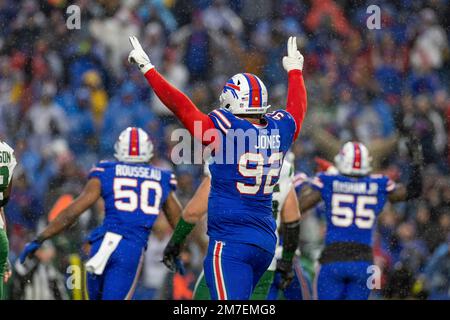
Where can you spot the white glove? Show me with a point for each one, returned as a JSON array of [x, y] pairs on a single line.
[[138, 56], [294, 59]]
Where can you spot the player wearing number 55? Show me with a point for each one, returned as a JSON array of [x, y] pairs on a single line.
[[353, 198], [134, 193]]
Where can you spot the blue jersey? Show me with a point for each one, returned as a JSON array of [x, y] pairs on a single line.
[[133, 195], [352, 205], [244, 170]]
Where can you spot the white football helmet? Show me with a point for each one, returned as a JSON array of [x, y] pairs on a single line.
[[133, 145], [244, 93], [353, 159]]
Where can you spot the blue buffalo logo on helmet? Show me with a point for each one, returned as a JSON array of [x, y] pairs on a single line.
[[244, 93]]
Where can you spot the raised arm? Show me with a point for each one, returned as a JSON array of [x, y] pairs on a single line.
[[89, 195], [172, 209], [413, 188], [309, 198], [296, 97], [183, 108], [197, 207], [193, 212], [290, 226]]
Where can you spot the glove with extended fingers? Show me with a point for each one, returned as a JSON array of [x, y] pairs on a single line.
[[294, 59], [138, 56]]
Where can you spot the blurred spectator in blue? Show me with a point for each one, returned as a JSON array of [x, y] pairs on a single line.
[[152, 10], [124, 110], [427, 228], [82, 132], [388, 63], [422, 81], [25, 206], [219, 16], [82, 60], [429, 127], [197, 52], [274, 72], [437, 273], [413, 251]]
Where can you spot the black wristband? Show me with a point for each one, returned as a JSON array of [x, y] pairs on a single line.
[[291, 235]]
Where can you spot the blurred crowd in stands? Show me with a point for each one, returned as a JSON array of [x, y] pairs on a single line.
[[65, 94]]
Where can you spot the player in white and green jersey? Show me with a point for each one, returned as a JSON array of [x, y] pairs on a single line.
[[286, 213], [7, 164]]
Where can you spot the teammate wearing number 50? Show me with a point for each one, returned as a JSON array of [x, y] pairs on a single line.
[[353, 199], [134, 193], [241, 226]]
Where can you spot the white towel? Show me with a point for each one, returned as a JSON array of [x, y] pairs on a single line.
[[97, 263]]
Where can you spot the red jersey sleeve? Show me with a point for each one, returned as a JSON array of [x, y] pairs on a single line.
[[296, 99], [183, 108]]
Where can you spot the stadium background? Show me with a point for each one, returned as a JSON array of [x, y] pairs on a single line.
[[66, 94]]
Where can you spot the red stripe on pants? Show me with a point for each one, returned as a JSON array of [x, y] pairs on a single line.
[[217, 271]]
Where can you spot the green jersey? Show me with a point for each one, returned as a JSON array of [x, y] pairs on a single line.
[[7, 164]]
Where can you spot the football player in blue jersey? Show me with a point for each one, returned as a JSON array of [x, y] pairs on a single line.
[[249, 148], [285, 211], [353, 198], [134, 193]]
